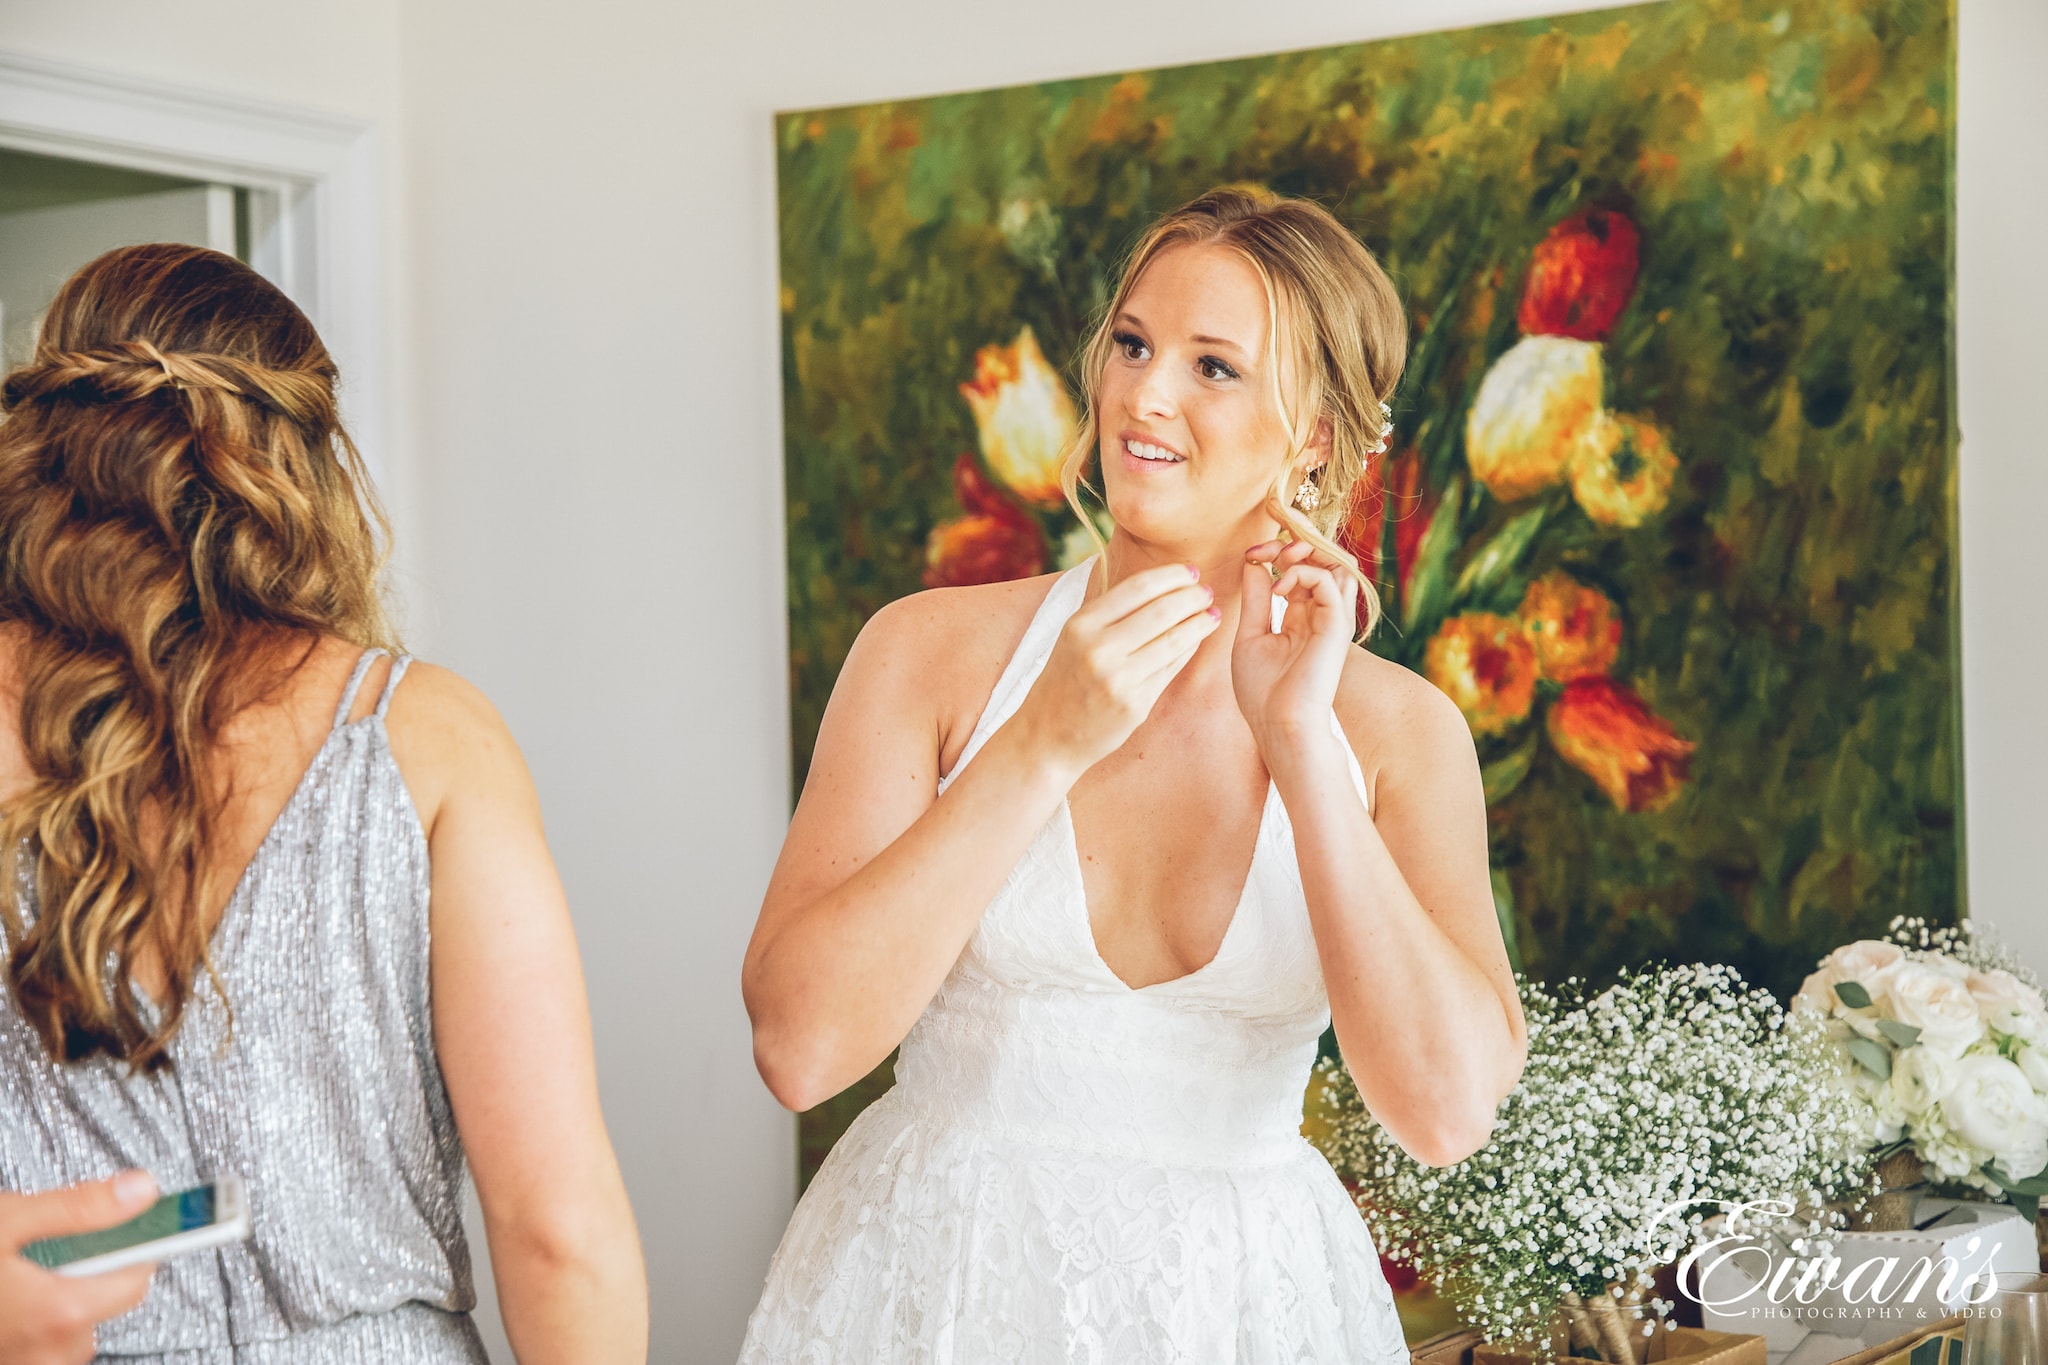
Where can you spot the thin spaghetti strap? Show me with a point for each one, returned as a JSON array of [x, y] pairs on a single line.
[[399, 663], [355, 683]]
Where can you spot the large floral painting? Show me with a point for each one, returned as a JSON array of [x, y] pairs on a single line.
[[1671, 512]]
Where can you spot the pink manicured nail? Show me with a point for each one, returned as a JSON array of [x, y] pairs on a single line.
[[134, 1187], [1195, 572], [1215, 613]]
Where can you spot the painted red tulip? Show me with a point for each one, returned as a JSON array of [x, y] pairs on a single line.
[[1607, 732], [1580, 277], [994, 543]]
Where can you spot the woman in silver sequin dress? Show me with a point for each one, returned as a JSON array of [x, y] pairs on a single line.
[[222, 824]]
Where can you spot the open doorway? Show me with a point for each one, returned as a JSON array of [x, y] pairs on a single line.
[[57, 213]]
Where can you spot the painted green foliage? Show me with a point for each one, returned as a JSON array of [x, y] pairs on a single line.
[[1787, 607]]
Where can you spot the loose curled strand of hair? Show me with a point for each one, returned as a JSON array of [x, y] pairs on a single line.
[[1331, 305], [177, 497]]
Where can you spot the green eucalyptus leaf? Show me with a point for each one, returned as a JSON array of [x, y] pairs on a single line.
[[1905, 1035], [1874, 1058], [1852, 994], [1498, 556]]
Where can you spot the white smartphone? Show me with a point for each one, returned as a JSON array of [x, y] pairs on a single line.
[[190, 1220]]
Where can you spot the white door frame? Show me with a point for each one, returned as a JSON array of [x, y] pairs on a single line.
[[313, 182]]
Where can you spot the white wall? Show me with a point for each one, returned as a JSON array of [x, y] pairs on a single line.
[[583, 282], [2002, 287]]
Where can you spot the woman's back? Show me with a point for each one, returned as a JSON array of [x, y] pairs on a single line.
[[305, 1063], [272, 905]]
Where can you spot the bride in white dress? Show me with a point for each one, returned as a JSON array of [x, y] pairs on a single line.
[[1106, 851]]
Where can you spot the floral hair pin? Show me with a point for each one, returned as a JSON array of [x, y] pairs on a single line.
[[1386, 429]]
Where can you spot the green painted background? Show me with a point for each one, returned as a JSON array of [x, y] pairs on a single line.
[[1790, 169]]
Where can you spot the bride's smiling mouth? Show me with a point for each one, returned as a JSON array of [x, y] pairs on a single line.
[[1142, 454]]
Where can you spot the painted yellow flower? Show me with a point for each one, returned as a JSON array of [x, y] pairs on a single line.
[[1486, 665], [1623, 472], [1024, 417], [1534, 410], [1575, 629]]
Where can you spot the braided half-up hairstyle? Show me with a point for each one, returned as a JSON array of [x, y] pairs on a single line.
[[1329, 306], [178, 500]]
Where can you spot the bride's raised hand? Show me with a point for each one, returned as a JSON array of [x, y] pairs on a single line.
[[1286, 680], [1112, 660]]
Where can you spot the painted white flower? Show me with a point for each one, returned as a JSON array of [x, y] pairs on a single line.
[[1992, 1106], [1534, 410], [1937, 1003], [1023, 416]]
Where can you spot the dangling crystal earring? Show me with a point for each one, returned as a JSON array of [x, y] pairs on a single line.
[[1306, 495]]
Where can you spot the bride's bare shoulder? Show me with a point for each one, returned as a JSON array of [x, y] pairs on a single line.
[[1397, 720], [949, 632], [939, 653]]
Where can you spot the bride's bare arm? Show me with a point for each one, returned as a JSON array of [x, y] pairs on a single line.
[[880, 884], [1421, 992], [1401, 899]]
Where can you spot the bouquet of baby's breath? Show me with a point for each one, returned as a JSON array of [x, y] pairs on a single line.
[[1672, 1096]]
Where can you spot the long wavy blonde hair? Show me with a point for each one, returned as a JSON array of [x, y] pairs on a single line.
[[177, 498], [1332, 308]]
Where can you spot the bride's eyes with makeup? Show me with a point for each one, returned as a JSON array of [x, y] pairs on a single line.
[[1209, 367]]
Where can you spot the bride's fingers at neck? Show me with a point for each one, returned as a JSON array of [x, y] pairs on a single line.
[[1222, 566]]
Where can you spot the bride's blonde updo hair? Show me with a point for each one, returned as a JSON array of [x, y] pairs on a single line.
[[177, 498], [1327, 301]]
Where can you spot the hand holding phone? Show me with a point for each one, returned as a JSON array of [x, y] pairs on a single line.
[[45, 1320]]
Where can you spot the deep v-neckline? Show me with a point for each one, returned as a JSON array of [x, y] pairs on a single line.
[[1230, 929]]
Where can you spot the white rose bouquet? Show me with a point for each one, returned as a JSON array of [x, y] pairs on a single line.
[[1946, 1034], [1644, 1111]]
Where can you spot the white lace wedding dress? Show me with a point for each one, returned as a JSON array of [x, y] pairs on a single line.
[[1068, 1169]]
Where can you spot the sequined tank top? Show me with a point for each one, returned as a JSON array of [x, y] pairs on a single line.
[[326, 1097]]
